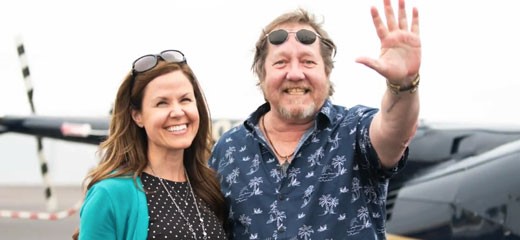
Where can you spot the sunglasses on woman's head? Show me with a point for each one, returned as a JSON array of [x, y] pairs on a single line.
[[149, 61], [304, 36]]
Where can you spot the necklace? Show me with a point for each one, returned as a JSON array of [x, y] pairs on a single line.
[[286, 157], [190, 226], [184, 199]]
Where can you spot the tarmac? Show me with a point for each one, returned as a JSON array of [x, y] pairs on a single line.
[[24, 215]]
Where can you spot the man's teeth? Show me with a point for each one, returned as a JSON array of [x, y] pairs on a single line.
[[296, 91]]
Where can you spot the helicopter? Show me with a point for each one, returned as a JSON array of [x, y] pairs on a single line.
[[460, 180]]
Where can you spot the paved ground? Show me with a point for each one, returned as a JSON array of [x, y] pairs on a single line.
[[31, 200], [18, 199]]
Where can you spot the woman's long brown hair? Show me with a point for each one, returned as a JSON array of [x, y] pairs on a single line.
[[124, 152]]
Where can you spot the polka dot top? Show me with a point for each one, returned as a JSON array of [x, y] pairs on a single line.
[[165, 220]]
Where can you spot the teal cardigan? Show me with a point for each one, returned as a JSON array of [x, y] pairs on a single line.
[[114, 208]]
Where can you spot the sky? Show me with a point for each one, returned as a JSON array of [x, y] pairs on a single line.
[[79, 51]]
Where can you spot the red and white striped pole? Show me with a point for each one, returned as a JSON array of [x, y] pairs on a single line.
[[34, 215], [51, 201]]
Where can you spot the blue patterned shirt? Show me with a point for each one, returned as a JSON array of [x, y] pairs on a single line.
[[334, 188]]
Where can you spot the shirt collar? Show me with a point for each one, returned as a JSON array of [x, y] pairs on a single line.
[[325, 116]]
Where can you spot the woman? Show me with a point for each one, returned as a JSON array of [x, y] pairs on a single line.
[[153, 181]]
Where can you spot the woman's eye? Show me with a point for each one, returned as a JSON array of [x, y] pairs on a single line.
[[162, 103]]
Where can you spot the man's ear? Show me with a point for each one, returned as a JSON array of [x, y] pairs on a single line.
[[136, 116]]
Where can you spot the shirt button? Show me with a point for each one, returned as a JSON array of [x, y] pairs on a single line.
[[281, 229], [281, 197]]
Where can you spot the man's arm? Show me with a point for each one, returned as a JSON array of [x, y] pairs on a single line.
[[395, 124]]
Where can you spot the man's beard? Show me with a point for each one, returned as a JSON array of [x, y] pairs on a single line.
[[299, 113]]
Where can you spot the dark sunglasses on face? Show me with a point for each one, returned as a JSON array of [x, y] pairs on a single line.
[[149, 61], [304, 36]]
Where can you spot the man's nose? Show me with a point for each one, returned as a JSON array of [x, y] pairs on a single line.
[[295, 71]]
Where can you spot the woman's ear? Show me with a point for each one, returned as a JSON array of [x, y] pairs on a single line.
[[136, 116]]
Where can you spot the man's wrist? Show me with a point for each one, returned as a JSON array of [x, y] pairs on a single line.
[[396, 89]]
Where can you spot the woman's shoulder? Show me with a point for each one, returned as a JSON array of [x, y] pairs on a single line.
[[118, 185]]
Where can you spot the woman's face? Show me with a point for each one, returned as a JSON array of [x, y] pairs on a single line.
[[169, 112]]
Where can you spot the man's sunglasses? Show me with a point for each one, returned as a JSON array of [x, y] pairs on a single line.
[[304, 36], [149, 61]]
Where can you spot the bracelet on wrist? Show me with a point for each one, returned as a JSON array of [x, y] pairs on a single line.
[[396, 89]]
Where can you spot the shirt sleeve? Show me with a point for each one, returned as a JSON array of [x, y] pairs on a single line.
[[387, 173], [97, 215], [369, 158]]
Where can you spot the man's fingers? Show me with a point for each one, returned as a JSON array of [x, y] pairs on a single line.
[[370, 62], [415, 21], [403, 23], [378, 23], [390, 17]]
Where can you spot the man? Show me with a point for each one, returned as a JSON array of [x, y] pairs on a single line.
[[301, 167]]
